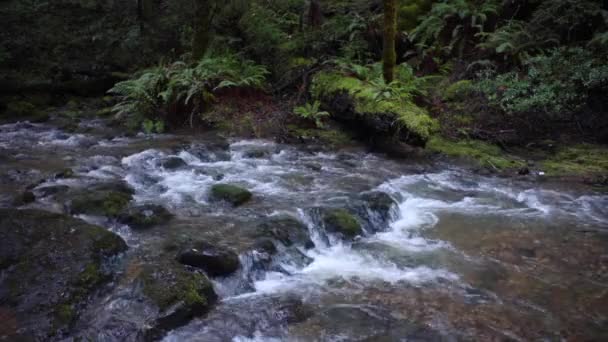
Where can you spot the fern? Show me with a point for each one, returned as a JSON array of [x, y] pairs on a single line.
[[465, 13], [312, 112]]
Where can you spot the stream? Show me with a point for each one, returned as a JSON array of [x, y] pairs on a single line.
[[460, 256]]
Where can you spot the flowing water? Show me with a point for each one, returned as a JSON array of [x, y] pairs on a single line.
[[461, 257]]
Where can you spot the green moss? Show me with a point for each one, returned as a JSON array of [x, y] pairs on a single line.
[[329, 136], [458, 90], [22, 110], [484, 154], [64, 314], [343, 222], [90, 276], [107, 203], [583, 159], [407, 114], [177, 285], [230, 193]]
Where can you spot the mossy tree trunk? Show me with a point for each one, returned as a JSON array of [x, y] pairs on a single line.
[[389, 55], [204, 12]]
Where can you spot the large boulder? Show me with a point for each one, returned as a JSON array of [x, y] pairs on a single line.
[[178, 293], [285, 229], [108, 199], [51, 264], [144, 216], [215, 260], [340, 221], [232, 194]]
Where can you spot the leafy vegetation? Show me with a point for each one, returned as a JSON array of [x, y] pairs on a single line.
[[312, 112], [158, 93]]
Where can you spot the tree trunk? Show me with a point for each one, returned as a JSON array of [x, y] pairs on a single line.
[[389, 55], [203, 19]]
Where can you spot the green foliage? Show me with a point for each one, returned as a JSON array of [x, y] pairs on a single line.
[[399, 105], [153, 126], [515, 40], [554, 85], [158, 90], [312, 112], [458, 90], [468, 16], [567, 17]]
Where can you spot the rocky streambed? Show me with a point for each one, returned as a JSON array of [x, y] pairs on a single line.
[[201, 238]]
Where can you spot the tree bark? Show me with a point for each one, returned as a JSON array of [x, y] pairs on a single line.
[[204, 12], [389, 55]]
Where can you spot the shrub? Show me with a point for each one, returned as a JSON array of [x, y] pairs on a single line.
[[555, 85]]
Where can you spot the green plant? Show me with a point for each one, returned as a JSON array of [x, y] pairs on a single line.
[[140, 95], [469, 17], [554, 85], [312, 112], [153, 126], [515, 40]]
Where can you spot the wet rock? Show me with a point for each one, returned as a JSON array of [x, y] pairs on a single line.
[[230, 193], [173, 163], [179, 294], [523, 171], [379, 202], [215, 260], [342, 222], [102, 202], [256, 154], [285, 229], [24, 198], [145, 216], [66, 173], [314, 166], [52, 190], [51, 263], [265, 246]]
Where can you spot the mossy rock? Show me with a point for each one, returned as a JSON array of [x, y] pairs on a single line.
[[55, 255], [102, 203], [458, 91], [342, 222], [232, 194], [479, 152], [286, 229], [145, 216], [23, 111], [179, 295], [353, 101]]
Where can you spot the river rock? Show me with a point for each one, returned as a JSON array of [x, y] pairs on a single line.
[[285, 229], [215, 260], [179, 294], [342, 222], [24, 198], [51, 190], [144, 216], [51, 263], [107, 199], [173, 163], [379, 202], [232, 194]]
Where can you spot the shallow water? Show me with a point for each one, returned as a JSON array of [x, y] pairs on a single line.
[[462, 257]]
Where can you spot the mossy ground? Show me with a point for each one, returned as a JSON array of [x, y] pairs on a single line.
[[482, 153], [582, 160], [405, 112]]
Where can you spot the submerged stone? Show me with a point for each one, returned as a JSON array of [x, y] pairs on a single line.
[[215, 260], [232, 194], [145, 216], [379, 202], [51, 263]]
